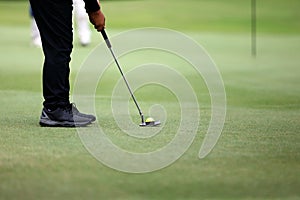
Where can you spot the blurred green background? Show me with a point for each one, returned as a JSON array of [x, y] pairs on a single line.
[[273, 16], [258, 154]]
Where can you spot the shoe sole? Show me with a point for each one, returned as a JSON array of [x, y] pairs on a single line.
[[51, 123]]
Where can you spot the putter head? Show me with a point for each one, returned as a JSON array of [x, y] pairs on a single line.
[[150, 122], [154, 123]]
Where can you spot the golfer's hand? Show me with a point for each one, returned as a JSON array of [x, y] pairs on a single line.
[[97, 19]]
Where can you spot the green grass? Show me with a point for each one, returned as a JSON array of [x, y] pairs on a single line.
[[257, 156], [274, 16]]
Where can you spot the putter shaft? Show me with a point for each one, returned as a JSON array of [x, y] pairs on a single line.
[[120, 70]]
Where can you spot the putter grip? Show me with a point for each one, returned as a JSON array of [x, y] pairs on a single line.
[[106, 38]]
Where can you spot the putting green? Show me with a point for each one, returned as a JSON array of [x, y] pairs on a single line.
[[257, 156]]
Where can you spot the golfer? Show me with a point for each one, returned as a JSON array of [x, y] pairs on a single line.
[[54, 21]]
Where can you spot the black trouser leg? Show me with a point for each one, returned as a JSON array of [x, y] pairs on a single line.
[[54, 20]]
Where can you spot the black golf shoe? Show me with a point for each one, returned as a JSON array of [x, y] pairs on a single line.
[[76, 112], [65, 117]]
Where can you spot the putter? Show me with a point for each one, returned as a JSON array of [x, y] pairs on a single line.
[[149, 121]]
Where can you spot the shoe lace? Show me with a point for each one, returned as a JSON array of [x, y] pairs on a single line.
[[69, 109]]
